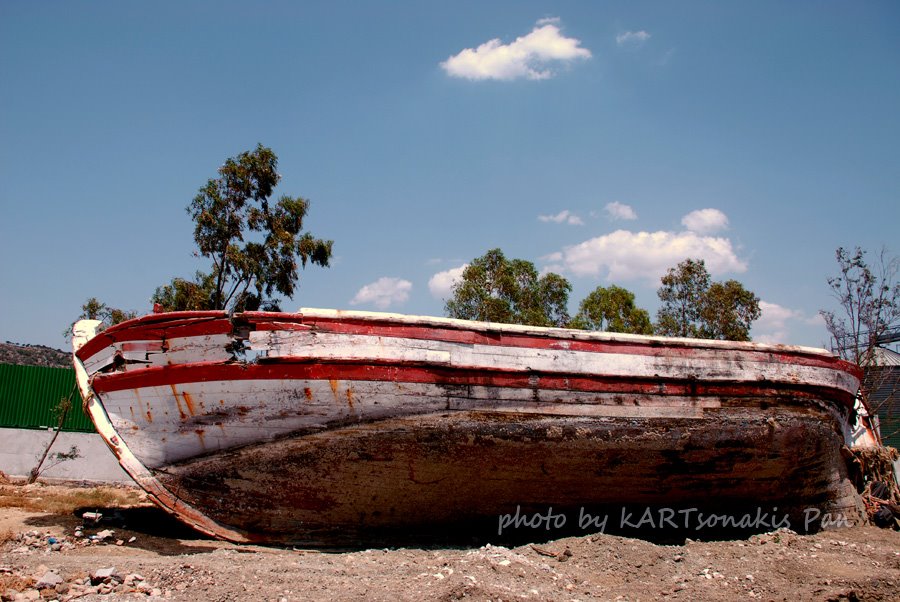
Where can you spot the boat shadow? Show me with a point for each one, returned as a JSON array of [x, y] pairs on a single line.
[[145, 527], [660, 526], [152, 529]]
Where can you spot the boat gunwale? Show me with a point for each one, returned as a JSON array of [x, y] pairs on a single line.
[[104, 338]]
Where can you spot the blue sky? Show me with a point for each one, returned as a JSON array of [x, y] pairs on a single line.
[[603, 140]]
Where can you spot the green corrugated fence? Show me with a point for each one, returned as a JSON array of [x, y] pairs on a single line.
[[29, 396]]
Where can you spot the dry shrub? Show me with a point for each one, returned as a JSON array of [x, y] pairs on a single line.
[[11, 581], [12, 497], [877, 465], [6, 536], [57, 499]]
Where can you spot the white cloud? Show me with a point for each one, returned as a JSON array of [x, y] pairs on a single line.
[[632, 38], [383, 293], [626, 255], [556, 256], [816, 320], [564, 216], [528, 56], [772, 325], [441, 284], [705, 221], [617, 211]]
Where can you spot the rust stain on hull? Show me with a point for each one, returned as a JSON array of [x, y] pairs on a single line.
[[189, 403], [181, 412], [443, 423]]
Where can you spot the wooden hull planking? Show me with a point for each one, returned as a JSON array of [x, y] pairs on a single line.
[[330, 427]]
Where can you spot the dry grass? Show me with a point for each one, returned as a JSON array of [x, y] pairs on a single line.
[[10, 581], [64, 500], [6, 536]]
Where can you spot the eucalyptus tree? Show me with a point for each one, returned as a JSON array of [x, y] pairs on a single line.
[[693, 306], [612, 309], [496, 289], [256, 243]]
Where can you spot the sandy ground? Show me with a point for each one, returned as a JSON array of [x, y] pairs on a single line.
[[156, 558]]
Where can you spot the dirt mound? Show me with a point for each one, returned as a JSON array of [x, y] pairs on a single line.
[[134, 551]]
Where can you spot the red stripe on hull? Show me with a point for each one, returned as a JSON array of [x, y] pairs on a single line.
[[186, 324], [173, 375], [652, 348], [156, 331]]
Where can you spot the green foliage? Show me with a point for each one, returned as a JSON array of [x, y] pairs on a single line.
[[694, 307], [94, 309], [682, 293], [256, 244], [612, 310], [728, 311], [186, 295], [496, 289]]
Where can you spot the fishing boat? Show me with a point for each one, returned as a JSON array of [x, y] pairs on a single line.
[[330, 426]]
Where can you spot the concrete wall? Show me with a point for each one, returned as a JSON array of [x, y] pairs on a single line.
[[20, 450]]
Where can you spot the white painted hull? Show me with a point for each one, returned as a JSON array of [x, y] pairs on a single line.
[[351, 399]]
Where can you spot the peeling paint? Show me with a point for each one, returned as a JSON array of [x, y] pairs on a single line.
[[441, 418]]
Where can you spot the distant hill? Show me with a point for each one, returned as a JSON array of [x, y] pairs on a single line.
[[34, 355]]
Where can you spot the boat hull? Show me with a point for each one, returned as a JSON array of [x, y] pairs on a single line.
[[349, 427], [438, 474]]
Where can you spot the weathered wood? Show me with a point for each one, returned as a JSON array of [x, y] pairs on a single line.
[[438, 472], [345, 422]]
